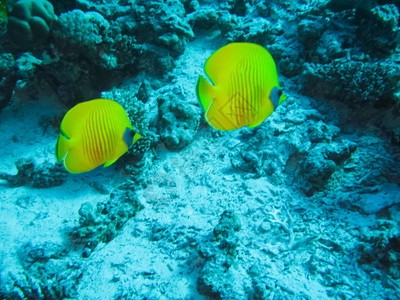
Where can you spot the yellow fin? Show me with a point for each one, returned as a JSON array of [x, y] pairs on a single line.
[[205, 92], [107, 164], [255, 125], [136, 137]]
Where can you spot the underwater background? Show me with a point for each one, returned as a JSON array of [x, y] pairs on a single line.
[[304, 206]]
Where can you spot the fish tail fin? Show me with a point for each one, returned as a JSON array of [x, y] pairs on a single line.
[[205, 92], [62, 147]]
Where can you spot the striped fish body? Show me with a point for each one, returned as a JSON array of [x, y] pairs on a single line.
[[92, 134], [243, 76]]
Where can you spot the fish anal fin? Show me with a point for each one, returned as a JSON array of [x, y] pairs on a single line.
[[254, 125], [109, 163]]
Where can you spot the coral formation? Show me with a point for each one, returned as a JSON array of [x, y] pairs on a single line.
[[321, 162], [353, 82], [136, 37], [378, 30], [8, 73], [162, 23], [40, 275], [179, 121], [101, 225], [91, 35], [382, 246], [109, 8], [31, 21], [217, 276], [39, 176]]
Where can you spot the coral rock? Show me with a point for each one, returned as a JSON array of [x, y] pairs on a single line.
[[30, 21], [179, 122]]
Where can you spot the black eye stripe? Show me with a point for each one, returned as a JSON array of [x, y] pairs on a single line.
[[279, 93], [132, 133]]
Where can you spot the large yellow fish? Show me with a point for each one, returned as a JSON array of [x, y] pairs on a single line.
[[245, 88], [94, 133]]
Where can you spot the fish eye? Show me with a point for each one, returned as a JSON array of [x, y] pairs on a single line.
[[279, 93], [132, 133]]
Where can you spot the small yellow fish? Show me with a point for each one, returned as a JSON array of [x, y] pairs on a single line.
[[94, 133], [245, 88]]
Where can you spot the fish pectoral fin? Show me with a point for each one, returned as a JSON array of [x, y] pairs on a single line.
[[62, 147], [107, 164], [205, 92], [206, 116]]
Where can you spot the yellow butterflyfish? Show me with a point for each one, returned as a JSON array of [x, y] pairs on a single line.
[[244, 90], [94, 133]]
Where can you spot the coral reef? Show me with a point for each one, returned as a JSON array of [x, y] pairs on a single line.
[[166, 28], [217, 277], [94, 39], [133, 36], [45, 273], [109, 8], [382, 246], [90, 35], [382, 21], [277, 150], [101, 225], [38, 176], [179, 120], [25, 70], [322, 161], [353, 82], [8, 74], [30, 21]]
